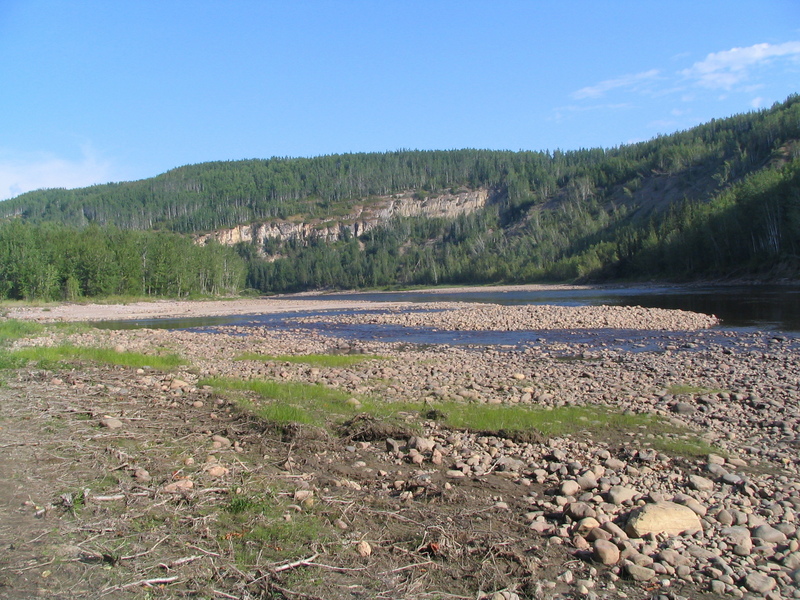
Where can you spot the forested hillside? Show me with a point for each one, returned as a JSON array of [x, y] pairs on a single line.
[[719, 200]]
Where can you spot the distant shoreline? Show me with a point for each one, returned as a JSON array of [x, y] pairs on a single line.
[[163, 309]]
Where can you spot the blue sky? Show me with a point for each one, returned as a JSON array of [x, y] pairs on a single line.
[[104, 91]]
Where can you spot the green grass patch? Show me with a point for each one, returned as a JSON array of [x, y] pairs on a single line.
[[686, 445], [315, 360], [9, 360], [284, 402], [556, 422], [287, 402], [51, 355], [257, 528], [13, 329], [599, 422]]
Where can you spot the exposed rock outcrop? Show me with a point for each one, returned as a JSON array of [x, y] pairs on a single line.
[[362, 218]]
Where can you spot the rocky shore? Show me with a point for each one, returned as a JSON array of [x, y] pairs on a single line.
[[584, 515], [475, 317]]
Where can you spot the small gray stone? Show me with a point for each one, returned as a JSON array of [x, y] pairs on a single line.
[[716, 470], [638, 573], [792, 561], [605, 552], [724, 517], [732, 479], [579, 510], [619, 494], [717, 587], [768, 534], [615, 530], [392, 445], [508, 463], [702, 484], [110, 422], [758, 583], [421, 443], [683, 408], [570, 487]]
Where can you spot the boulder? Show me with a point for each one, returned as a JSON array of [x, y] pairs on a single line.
[[768, 533], [702, 484], [570, 487], [662, 517], [759, 583], [421, 443], [605, 552], [620, 494], [638, 573]]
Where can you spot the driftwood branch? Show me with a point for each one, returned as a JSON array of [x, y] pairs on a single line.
[[303, 562], [150, 582]]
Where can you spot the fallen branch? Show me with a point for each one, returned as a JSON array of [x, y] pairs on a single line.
[[180, 561], [304, 562], [150, 582], [206, 552], [156, 545], [216, 490], [107, 498], [50, 562]]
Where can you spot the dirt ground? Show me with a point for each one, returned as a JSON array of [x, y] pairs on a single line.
[[87, 510]]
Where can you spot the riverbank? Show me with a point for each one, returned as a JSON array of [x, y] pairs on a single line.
[[190, 487], [451, 315]]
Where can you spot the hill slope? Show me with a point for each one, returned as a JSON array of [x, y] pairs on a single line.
[[720, 199]]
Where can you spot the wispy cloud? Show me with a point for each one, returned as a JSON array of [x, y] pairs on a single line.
[[724, 70], [734, 70], [23, 172], [633, 81]]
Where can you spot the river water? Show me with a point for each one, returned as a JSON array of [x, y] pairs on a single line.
[[769, 307], [772, 309]]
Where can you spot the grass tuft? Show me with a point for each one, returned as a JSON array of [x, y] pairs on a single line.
[[13, 329], [598, 421], [284, 402], [258, 530], [54, 354]]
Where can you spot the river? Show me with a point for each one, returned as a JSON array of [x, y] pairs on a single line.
[[772, 309]]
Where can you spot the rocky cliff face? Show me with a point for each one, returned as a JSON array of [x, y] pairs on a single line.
[[363, 218]]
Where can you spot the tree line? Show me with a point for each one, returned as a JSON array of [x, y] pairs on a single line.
[[58, 262], [752, 227]]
